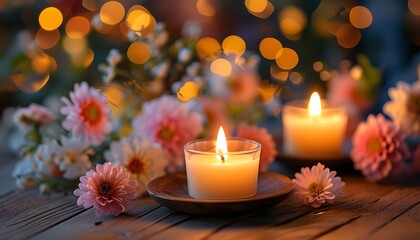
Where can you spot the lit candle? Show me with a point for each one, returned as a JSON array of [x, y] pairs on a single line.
[[313, 132], [222, 168]]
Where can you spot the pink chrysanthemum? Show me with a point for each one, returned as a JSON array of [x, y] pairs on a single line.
[[108, 189], [171, 124], [34, 114], [261, 135], [317, 185], [378, 146], [87, 115]]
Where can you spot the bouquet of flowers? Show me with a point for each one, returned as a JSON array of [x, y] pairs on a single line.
[[147, 109]]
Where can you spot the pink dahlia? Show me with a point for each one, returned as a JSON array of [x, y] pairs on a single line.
[[169, 123], [378, 146], [317, 185], [260, 135], [87, 114], [108, 189], [34, 114]]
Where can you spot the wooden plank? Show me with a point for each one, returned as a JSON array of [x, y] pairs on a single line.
[[88, 224], [377, 214], [405, 226], [290, 211]]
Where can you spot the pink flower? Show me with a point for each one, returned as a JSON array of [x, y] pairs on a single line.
[[343, 89], [415, 165], [378, 146], [260, 135], [317, 185], [216, 115], [108, 189], [87, 115], [244, 87], [34, 114], [169, 123]]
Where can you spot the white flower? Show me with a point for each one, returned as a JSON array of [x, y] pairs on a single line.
[[144, 160], [73, 157], [108, 72], [114, 57], [404, 107], [24, 173], [45, 159], [26, 117], [317, 185], [184, 55]]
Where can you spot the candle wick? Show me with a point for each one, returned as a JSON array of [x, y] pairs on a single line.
[[222, 157]]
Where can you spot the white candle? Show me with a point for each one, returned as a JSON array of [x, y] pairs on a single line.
[[313, 132], [213, 172]]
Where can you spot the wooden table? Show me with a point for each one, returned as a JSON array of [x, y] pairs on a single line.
[[369, 211]]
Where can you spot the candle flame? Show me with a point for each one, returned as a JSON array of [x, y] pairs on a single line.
[[221, 145], [314, 105]]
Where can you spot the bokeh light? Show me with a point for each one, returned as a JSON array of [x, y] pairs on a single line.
[[325, 75], [140, 20], [43, 64], [77, 27], [47, 39], [188, 91], [292, 21], [265, 13], [356, 72], [278, 73], [112, 12], [288, 59], [50, 18], [348, 36], [270, 48], [296, 78], [205, 8], [256, 6], [360, 17], [317, 66], [414, 7], [208, 48], [233, 45], [74, 46], [139, 52], [221, 67], [31, 82]]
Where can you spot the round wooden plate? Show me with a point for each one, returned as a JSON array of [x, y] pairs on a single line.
[[172, 192]]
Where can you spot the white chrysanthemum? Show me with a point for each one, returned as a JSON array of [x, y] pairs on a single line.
[[404, 107], [73, 157], [144, 160], [45, 159], [317, 185], [24, 172]]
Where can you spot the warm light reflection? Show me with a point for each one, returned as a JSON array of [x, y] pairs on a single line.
[[414, 7], [314, 106], [112, 13], [188, 91], [205, 8], [356, 72], [270, 48], [47, 39], [50, 18], [256, 6], [288, 59], [348, 36], [77, 27], [221, 145], [292, 21], [221, 67], [360, 17], [208, 48], [233, 45], [139, 52]]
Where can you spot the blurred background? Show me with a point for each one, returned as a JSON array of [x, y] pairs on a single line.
[[47, 46]]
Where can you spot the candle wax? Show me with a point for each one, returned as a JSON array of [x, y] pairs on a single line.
[[210, 178]]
